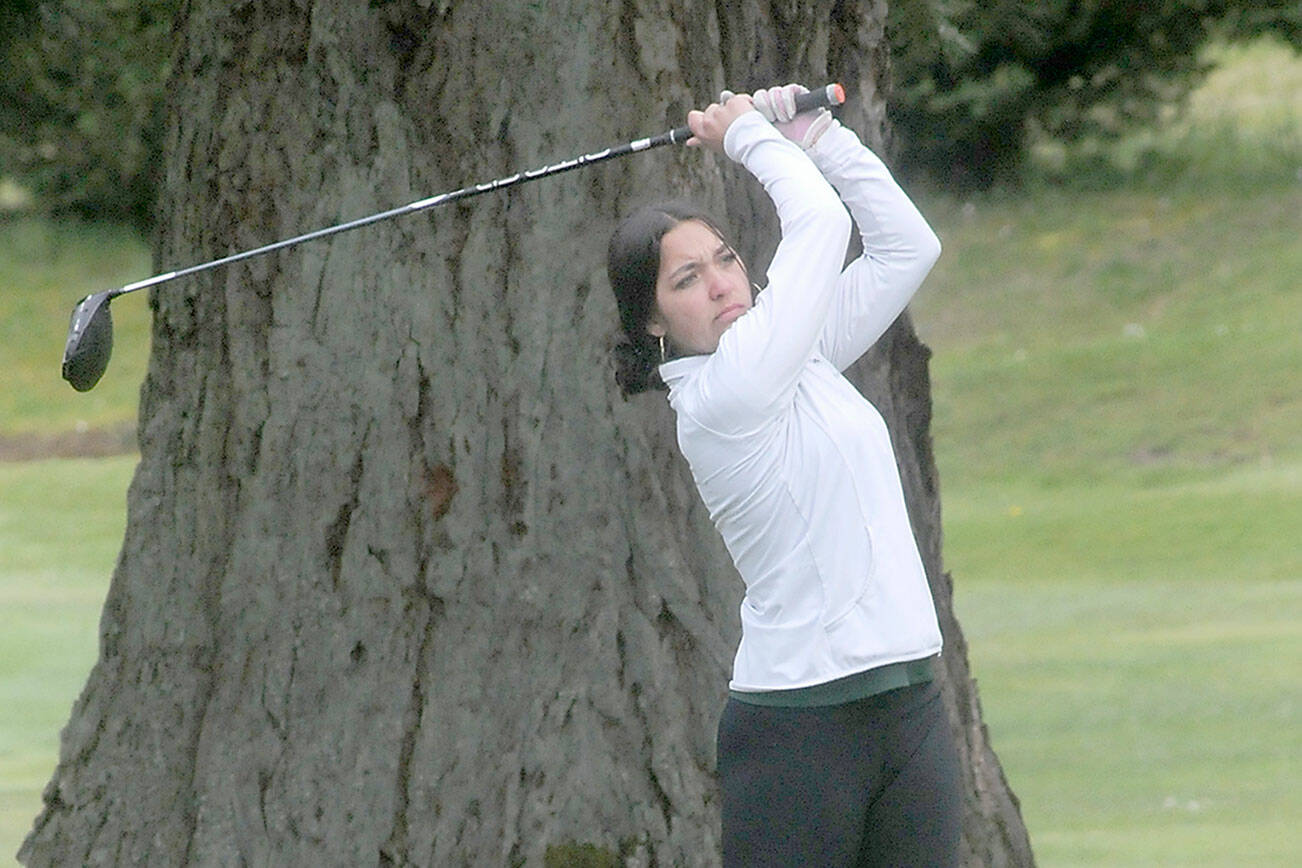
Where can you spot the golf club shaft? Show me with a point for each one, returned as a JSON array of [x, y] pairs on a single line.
[[831, 95], [419, 205]]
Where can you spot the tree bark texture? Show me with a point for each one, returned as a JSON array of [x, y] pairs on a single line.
[[405, 581]]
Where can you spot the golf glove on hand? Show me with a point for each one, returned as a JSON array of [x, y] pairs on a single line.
[[778, 106]]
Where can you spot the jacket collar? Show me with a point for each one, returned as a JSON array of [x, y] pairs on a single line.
[[675, 370]]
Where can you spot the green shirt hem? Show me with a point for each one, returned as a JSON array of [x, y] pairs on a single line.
[[860, 685]]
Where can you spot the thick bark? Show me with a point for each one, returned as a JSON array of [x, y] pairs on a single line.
[[404, 580]]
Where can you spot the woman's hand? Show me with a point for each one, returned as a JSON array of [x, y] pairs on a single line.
[[708, 126], [778, 105]]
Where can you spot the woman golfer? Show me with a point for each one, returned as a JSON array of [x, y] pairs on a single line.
[[834, 748]]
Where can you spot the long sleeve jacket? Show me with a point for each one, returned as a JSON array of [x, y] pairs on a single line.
[[794, 465]]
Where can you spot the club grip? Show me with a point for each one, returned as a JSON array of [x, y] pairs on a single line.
[[826, 96]]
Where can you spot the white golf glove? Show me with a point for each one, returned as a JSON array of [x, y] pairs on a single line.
[[778, 106]]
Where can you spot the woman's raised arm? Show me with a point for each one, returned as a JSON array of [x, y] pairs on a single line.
[[753, 373]]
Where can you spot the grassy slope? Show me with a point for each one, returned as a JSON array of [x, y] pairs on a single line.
[[1117, 409], [1112, 333], [1116, 423]]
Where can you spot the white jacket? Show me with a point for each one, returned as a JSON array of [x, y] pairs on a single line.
[[793, 463]]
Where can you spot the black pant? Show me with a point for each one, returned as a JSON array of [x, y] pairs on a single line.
[[873, 782]]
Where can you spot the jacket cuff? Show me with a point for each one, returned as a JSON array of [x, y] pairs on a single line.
[[834, 148], [744, 131]]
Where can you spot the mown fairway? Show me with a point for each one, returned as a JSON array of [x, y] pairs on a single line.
[[44, 270], [1119, 429], [61, 525], [1118, 423]]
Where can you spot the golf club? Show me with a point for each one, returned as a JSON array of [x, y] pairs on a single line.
[[90, 332]]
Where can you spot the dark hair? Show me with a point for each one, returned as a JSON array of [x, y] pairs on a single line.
[[633, 264]]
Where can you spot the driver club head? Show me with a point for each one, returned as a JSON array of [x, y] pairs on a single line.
[[90, 342]]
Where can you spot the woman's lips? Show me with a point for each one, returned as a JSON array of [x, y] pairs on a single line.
[[731, 312]]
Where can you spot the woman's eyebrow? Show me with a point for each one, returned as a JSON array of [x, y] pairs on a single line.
[[686, 266], [721, 250]]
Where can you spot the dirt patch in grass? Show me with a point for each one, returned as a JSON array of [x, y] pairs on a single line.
[[92, 443]]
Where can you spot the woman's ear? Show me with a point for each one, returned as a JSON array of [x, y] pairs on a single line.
[[655, 328]]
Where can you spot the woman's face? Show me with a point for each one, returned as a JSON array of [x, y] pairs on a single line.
[[701, 290]]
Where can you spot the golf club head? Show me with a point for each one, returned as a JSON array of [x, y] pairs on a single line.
[[90, 342]]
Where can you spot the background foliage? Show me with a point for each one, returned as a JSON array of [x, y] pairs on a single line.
[[82, 92], [977, 82]]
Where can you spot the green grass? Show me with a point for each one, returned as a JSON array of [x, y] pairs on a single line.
[[45, 268], [1138, 652], [1239, 525], [1145, 721], [1121, 332], [1117, 427], [61, 524]]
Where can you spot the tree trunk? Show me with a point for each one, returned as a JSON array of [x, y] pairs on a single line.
[[404, 580]]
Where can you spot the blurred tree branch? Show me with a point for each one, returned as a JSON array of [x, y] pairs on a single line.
[[972, 79]]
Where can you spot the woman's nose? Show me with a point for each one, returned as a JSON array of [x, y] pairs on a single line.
[[718, 283]]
